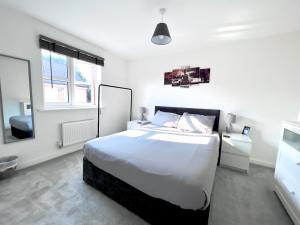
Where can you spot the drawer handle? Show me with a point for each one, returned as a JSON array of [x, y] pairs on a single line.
[[292, 192], [298, 163]]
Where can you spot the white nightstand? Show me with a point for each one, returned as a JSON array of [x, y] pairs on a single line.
[[134, 124], [236, 151]]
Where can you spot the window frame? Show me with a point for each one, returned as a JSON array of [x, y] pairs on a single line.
[[74, 83], [71, 87]]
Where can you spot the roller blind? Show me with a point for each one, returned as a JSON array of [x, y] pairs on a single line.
[[61, 48]]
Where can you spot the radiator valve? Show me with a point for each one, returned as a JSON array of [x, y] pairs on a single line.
[[60, 144]]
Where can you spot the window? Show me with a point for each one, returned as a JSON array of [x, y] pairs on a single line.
[[69, 81]]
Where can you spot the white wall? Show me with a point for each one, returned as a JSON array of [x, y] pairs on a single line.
[[19, 37], [256, 79]]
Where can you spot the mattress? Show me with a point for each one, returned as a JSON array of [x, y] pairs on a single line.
[[165, 163], [21, 122]]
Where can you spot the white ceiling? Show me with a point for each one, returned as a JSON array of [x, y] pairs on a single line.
[[125, 27]]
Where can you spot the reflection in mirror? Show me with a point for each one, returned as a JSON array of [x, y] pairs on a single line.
[[16, 102]]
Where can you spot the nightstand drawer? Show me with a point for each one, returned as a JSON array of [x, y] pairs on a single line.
[[236, 147], [235, 161]]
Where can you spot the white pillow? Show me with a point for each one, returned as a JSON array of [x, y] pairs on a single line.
[[196, 123], [165, 119]]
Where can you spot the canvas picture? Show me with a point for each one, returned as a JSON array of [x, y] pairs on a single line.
[[168, 78], [187, 76]]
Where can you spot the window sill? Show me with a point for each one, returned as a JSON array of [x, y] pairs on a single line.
[[63, 108]]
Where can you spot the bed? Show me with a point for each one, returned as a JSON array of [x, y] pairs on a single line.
[[163, 175], [21, 126]]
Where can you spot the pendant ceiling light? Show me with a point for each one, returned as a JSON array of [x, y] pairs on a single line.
[[161, 34]]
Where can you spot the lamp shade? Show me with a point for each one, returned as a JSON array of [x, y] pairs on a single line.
[[143, 109], [230, 118], [161, 35]]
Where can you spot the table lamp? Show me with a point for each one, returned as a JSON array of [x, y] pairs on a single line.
[[229, 120], [143, 111]]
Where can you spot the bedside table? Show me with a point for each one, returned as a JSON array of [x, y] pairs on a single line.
[[134, 124], [236, 151]]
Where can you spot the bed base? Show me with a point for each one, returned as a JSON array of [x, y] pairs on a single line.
[[152, 210], [21, 134]]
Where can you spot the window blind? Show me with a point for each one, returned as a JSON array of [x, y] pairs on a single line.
[[61, 48]]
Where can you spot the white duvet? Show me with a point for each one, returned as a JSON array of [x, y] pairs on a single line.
[[165, 163]]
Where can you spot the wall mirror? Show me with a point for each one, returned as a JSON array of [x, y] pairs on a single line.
[[16, 99]]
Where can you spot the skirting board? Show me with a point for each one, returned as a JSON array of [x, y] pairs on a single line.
[[262, 163], [45, 158]]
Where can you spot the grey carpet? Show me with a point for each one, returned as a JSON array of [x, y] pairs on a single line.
[[54, 193]]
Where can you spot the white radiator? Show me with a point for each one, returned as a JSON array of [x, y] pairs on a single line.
[[78, 131]]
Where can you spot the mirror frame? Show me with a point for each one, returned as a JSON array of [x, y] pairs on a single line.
[[31, 101]]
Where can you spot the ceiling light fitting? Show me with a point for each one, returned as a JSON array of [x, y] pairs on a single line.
[[161, 34]]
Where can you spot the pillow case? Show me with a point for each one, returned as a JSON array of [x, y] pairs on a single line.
[[196, 123], [165, 119]]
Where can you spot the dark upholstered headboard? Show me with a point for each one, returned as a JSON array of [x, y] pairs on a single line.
[[205, 112]]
